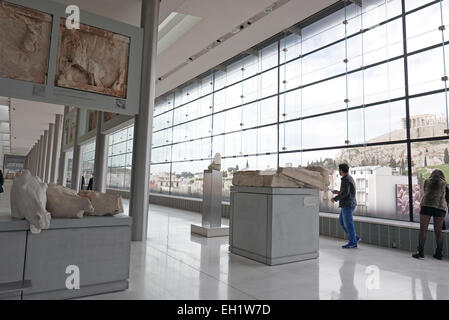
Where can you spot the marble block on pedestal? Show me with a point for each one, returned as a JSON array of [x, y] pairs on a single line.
[[274, 225]]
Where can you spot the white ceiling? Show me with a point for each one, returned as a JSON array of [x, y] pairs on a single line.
[[29, 121], [216, 18]]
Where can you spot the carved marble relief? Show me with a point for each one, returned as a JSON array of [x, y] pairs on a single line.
[[24, 43], [94, 60]]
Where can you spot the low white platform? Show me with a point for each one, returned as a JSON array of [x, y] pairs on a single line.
[[210, 232]]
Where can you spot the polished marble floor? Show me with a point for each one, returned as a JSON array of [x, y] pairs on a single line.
[[173, 264]]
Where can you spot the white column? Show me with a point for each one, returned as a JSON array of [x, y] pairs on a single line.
[[138, 204], [76, 155], [100, 157], [39, 166], [56, 154], [48, 163], [44, 155], [62, 156]]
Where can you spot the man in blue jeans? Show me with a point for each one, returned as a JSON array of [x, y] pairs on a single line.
[[347, 203]]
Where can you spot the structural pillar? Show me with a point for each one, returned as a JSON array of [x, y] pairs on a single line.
[[57, 137], [48, 163], [44, 155], [100, 157], [61, 169], [39, 160], [32, 157], [76, 156], [138, 205], [32, 160]]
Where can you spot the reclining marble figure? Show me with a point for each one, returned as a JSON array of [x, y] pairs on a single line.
[[66, 203], [28, 200], [216, 163], [103, 204], [310, 177]]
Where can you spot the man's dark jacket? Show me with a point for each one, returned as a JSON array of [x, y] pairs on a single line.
[[346, 196]]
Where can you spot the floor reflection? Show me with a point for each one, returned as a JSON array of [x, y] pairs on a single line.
[[348, 290], [178, 265], [210, 262]]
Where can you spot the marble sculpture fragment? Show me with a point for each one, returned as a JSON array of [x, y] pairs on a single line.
[[310, 177], [103, 204], [24, 43], [216, 163], [93, 59], [28, 199], [66, 203]]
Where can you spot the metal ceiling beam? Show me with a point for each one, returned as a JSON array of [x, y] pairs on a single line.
[[252, 52], [295, 30], [356, 2]]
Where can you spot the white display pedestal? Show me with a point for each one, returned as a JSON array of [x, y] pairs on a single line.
[[211, 221]]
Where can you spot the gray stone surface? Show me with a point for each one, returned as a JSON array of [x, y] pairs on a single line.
[[99, 246], [274, 225], [101, 253]]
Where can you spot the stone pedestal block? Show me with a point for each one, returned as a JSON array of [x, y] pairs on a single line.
[[274, 225]]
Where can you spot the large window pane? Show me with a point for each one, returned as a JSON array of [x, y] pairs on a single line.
[[422, 28], [325, 131], [428, 116], [324, 63], [187, 178], [160, 178], [426, 157], [385, 122], [426, 71]]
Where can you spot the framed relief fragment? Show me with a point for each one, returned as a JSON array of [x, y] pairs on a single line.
[[92, 59], [25, 39]]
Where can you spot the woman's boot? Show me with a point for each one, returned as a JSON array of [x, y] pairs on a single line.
[[438, 254], [419, 253]]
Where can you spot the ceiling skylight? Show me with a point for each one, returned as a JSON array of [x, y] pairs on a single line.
[[173, 28]]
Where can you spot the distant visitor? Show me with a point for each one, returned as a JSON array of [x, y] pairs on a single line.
[[347, 203]]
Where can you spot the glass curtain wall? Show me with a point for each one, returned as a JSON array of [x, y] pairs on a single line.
[[68, 167], [365, 85], [87, 162], [120, 159]]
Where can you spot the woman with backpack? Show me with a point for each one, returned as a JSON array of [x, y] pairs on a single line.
[[434, 204]]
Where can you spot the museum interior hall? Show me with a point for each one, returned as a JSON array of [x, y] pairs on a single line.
[[193, 149]]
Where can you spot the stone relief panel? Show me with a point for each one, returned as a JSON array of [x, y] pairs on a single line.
[[24, 43], [94, 60]]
